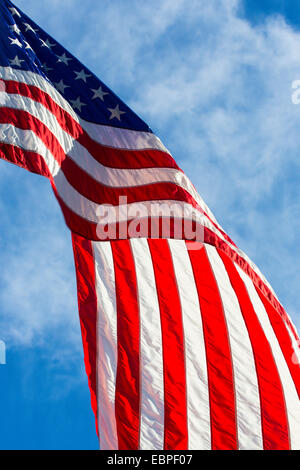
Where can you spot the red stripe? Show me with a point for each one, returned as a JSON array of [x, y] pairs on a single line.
[[99, 193], [78, 178], [280, 329], [118, 230], [89, 230], [30, 161], [108, 156], [127, 404], [275, 427], [212, 239], [218, 354], [25, 121], [83, 182], [87, 303], [102, 194], [176, 430]]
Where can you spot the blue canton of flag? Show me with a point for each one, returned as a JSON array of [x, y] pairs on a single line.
[[24, 45]]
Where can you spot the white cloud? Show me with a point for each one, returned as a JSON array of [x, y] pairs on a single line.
[[38, 302]]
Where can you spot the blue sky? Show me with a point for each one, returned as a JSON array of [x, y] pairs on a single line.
[[213, 80]]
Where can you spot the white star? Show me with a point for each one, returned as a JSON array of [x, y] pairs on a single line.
[[14, 11], [30, 28], [15, 42], [82, 75], [27, 46], [46, 68], [16, 61], [77, 103], [63, 58], [15, 28], [61, 86], [99, 94], [116, 113], [47, 43]]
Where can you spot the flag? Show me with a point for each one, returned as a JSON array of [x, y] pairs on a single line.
[[186, 345]]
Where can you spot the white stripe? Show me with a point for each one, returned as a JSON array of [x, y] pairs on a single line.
[[151, 355], [41, 113], [107, 176], [105, 135], [245, 377], [87, 209], [290, 392], [112, 137], [28, 140], [256, 270], [107, 346], [123, 138], [198, 412], [295, 342], [90, 210], [95, 213], [31, 78]]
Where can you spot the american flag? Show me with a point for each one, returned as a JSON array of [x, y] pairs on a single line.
[[186, 345]]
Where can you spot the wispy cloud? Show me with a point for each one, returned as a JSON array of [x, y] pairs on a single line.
[[37, 285]]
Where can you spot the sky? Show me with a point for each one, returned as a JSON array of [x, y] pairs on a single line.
[[213, 79]]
